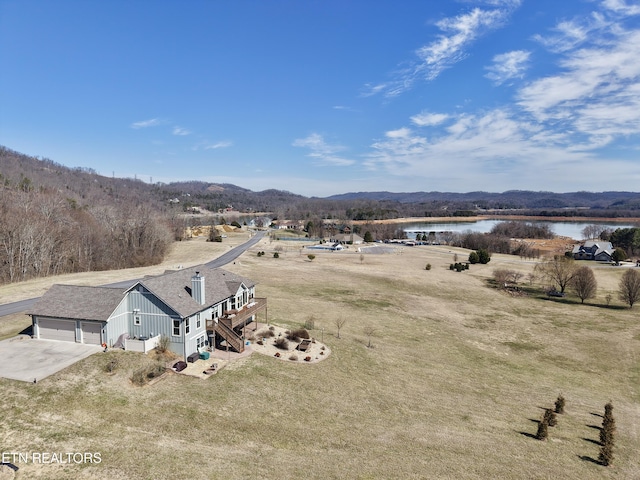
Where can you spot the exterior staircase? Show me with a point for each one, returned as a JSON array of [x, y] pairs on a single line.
[[234, 340]]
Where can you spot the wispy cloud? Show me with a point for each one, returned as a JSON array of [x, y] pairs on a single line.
[[425, 119], [322, 152], [221, 144], [507, 66], [597, 92], [153, 122], [180, 131], [563, 126], [621, 7], [458, 33]]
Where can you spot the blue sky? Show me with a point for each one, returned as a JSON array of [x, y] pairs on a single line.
[[332, 96]]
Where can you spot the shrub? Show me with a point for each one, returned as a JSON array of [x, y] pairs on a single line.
[[560, 404], [311, 256], [550, 417], [265, 334], [163, 344], [296, 335], [484, 256], [607, 433], [112, 365], [474, 258], [143, 375], [310, 323], [543, 430], [293, 357], [281, 343], [276, 255], [608, 424], [428, 267]]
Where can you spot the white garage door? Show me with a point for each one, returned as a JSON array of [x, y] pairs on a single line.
[[91, 333], [51, 329]]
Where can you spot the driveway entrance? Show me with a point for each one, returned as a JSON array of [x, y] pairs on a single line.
[[23, 358]]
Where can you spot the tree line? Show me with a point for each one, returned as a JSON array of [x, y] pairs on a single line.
[[45, 233]]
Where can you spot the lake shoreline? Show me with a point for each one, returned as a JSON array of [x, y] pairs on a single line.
[[478, 218]]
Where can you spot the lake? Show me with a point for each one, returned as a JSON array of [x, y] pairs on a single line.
[[563, 229]]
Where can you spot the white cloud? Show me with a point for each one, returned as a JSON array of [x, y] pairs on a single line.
[[180, 131], [221, 144], [426, 119], [153, 122], [458, 33], [597, 94], [507, 66], [483, 148], [322, 152], [621, 7]]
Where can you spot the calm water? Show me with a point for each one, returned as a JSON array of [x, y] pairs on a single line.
[[564, 229]]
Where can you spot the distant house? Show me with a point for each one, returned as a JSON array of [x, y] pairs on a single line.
[[193, 307], [593, 250], [347, 238]]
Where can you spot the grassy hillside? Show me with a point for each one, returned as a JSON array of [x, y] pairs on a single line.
[[457, 377]]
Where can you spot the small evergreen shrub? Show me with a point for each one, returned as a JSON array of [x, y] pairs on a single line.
[[543, 429], [560, 402], [428, 267], [550, 417], [276, 255], [607, 434]]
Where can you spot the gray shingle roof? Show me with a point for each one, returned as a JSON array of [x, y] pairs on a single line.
[[174, 288], [80, 303]]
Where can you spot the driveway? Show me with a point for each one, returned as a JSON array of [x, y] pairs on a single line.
[[23, 358]]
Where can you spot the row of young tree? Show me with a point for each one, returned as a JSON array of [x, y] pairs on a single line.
[[43, 233], [564, 274]]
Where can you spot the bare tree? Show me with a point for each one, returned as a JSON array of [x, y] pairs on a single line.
[[629, 287], [592, 232], [369, 331], [559, 270], [340, 322], [584, 283]]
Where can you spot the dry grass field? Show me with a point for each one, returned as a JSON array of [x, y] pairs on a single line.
[[452, 387]]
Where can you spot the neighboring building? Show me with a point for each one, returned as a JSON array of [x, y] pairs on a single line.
[[193, 307], [593, 250], [347, 238]]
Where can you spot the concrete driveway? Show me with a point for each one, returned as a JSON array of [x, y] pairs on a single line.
[[23, 358]]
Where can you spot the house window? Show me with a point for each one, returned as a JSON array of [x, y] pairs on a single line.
[[186, 326], [200, 342], [136, 320], [233, 303], [176, 328], [198, 322]]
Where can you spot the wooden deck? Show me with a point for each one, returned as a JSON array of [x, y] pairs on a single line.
[[238, 318]]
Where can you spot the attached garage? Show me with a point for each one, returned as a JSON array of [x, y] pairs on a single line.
[[91, 333], [55, 329]]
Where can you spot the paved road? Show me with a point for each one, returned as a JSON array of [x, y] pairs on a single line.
[[224, 259]]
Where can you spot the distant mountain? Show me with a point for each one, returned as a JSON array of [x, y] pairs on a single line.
[[512, 199], [86, 188]]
